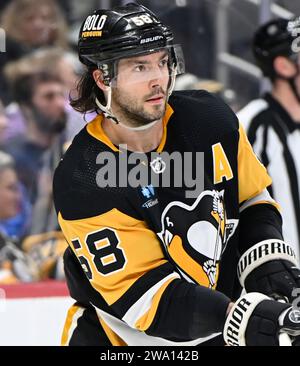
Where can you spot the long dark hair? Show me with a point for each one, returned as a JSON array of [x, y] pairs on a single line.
[[87, 90]]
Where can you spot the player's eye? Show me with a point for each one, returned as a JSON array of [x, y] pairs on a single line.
[[163, 62], [139, 68]]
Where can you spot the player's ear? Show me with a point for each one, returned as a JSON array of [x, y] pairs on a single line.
[[98, 77]]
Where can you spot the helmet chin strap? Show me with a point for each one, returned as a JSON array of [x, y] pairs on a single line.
[[108, 114], [141, 128], [106, 109]]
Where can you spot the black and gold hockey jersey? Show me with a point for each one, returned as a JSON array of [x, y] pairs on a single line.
[[153, 265]]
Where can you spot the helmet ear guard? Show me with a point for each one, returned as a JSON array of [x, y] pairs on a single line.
[[107, 72]]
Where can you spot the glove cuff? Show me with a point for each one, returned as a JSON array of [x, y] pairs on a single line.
[[262, 252], [238, 317]]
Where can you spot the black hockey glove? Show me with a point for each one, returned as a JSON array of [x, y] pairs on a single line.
[[257, 320], [270, 267]]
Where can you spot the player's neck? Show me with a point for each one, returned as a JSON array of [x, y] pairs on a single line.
[[283, 93], [138, 141]]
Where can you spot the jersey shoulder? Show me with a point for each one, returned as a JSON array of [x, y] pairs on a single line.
[[76, 191], [203, 114]]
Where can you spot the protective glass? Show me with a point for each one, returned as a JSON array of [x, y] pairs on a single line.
[[160, 63]]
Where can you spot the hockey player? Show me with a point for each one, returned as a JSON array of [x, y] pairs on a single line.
[[156, 264], [272, 122]]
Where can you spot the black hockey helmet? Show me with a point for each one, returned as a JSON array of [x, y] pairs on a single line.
[[125, 31], [278, 37]]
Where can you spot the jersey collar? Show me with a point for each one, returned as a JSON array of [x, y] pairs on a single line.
[[94, 128]]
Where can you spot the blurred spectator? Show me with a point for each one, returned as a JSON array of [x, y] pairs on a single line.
[[41, 255], [15, 210], [61, 67], [30, 24], [41, 102], [10, 206], [34, 24], [55, 61], [9, 190]]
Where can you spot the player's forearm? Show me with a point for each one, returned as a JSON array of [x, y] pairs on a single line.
[[187, 311], [257, 223]]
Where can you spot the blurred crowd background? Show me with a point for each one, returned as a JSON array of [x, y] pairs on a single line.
[[39, 69]]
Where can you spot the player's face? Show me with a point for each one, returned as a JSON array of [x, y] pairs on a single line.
[[139, 91]]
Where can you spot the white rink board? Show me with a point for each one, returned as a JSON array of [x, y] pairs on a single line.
[[33, 321]]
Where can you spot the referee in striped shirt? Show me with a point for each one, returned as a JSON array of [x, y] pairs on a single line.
[[273, 121]]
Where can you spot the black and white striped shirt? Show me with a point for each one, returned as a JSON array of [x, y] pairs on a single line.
[[275, 138]]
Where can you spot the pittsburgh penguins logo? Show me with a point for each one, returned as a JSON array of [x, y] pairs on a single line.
[[158, 165], [196, 236]]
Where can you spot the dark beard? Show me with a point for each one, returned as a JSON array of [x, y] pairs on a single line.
[[137, 116], [139, 119]]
